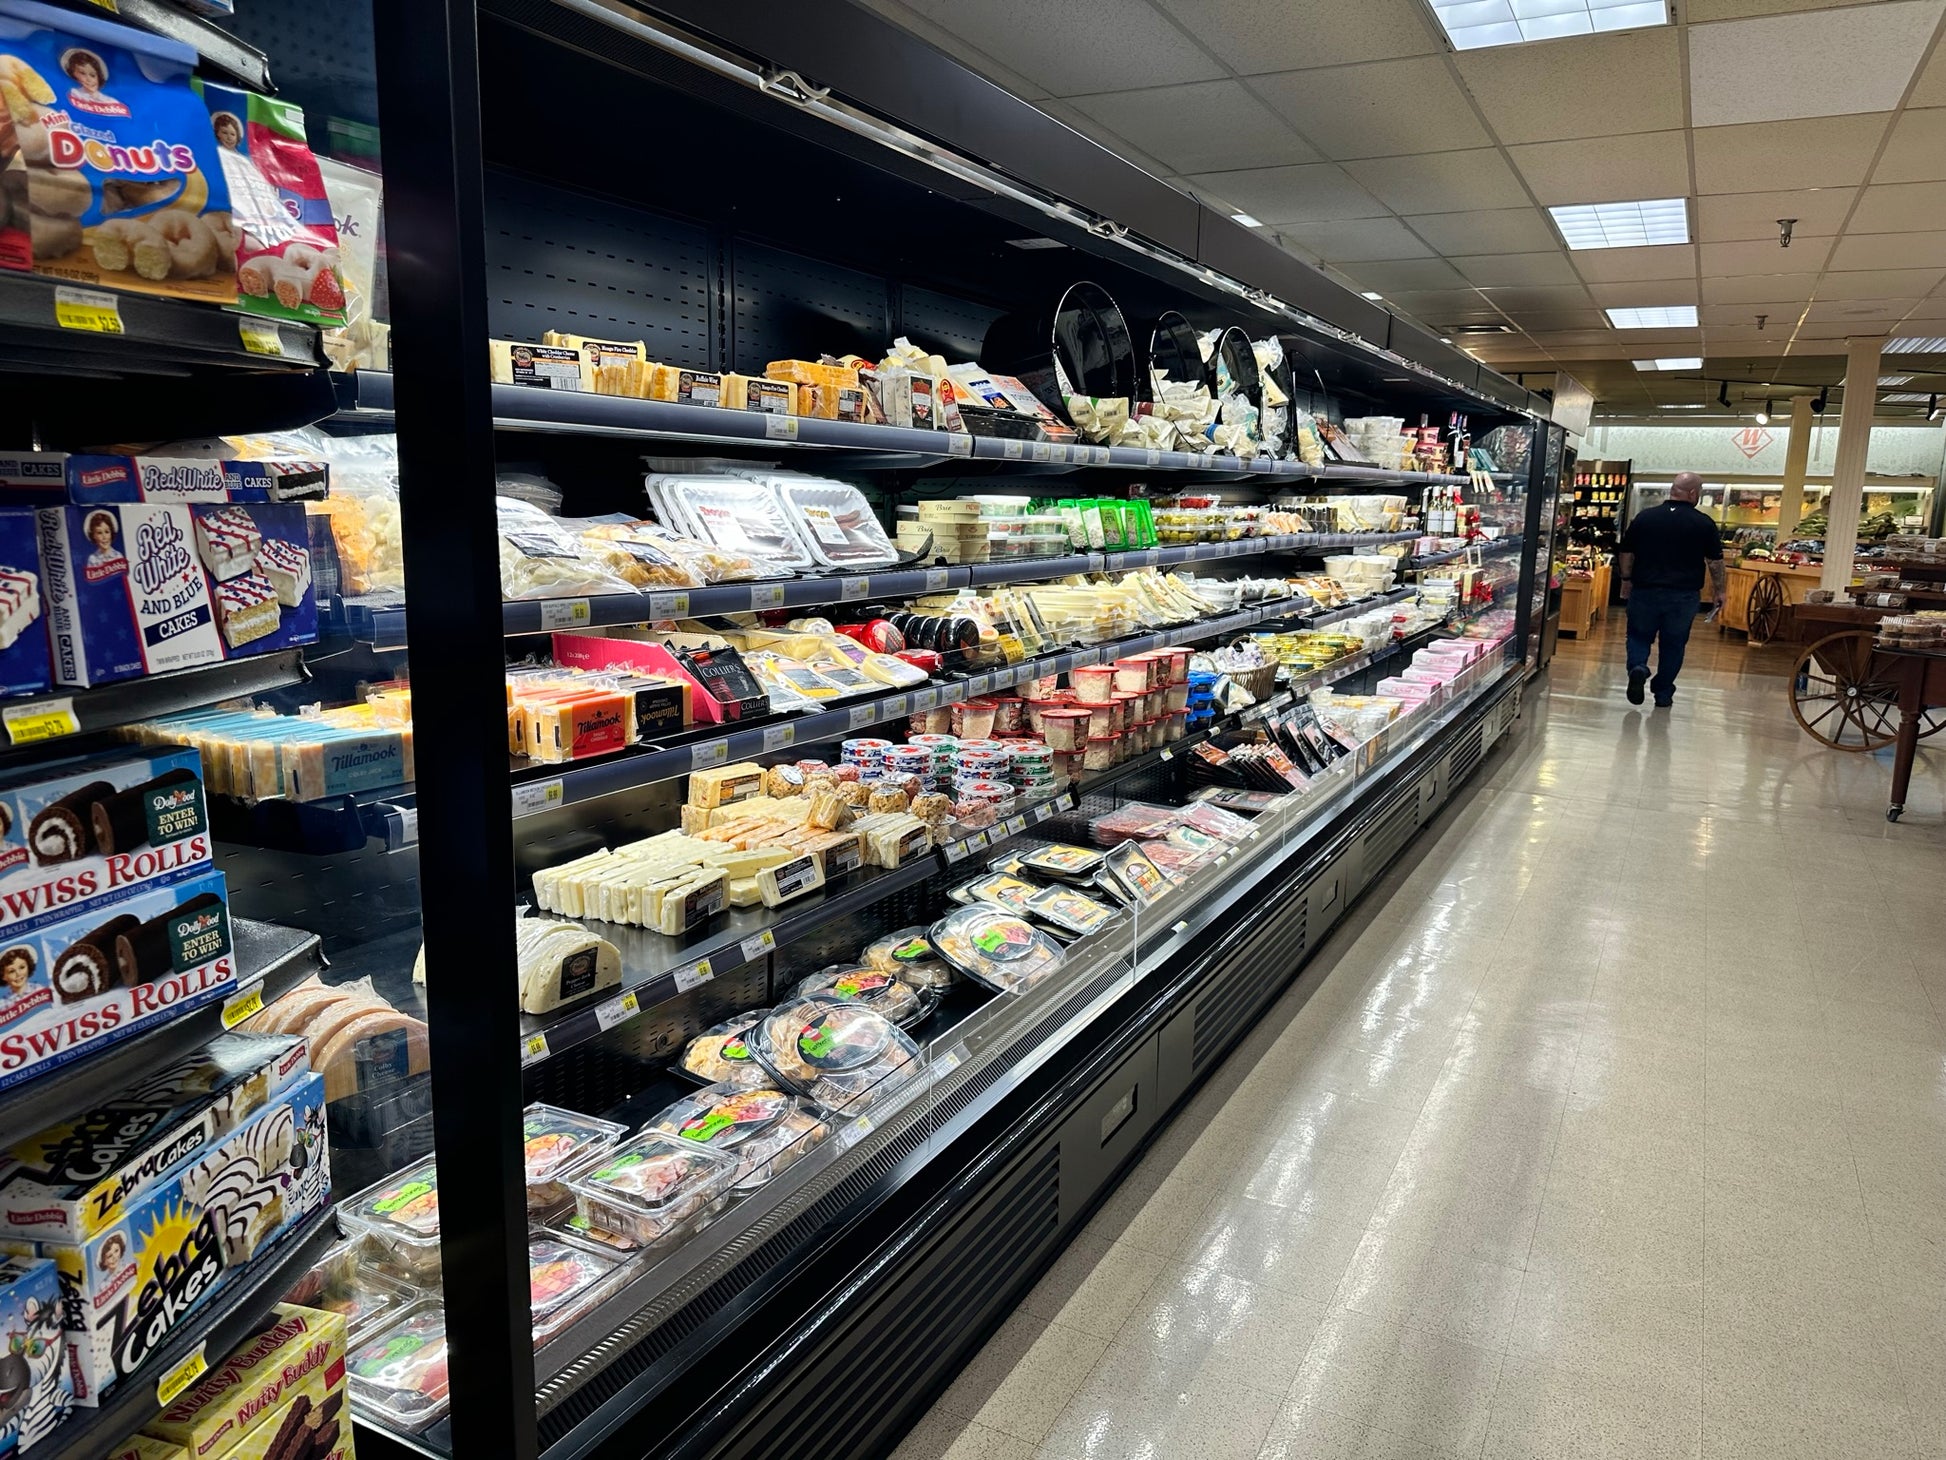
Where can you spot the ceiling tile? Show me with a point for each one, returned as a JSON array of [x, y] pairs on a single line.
[[1881, 311], [1288, 35], [1354, 111], [1763, 256], [1880, 283], [1313, 194], [1817, 63], [1901, 208], [1699, 11], [1407, 274], [1727, 217], [1761, 157], [1486, 230], [1087, 126], [1621, 265], [1579, 339], [1606, 169], [1441, 182], [1644, 294], [1206, 126], [1841, 329], [1551, 267], [1758, 288], [1519, 298], [1931, 90], [1781, 314], [1542, 93], [1127, 45], [1889, 251], [1356, 240], [1916, 150], [1450, 306]]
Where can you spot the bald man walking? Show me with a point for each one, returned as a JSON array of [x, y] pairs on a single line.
[[1663, 556]]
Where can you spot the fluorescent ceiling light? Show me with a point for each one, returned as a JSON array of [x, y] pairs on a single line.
[[1368, 294], [1672, 362], [1905, 398], [1931, 345], [1690, 407], [1623, 225], [1246, 220], [1895, 380], [1472, 24], [1660, 317]]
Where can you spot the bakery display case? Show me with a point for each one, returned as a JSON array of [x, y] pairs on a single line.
[[694, 781]]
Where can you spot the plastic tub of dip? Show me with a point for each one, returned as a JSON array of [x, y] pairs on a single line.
[[1066, 729]]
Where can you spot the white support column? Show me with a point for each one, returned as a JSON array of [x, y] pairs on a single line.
[[1848, 469], [1797, 452]]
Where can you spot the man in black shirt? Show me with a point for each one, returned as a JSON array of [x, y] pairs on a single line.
[[1664, 553]]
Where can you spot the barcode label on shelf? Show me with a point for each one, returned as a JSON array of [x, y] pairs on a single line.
[[669, 605], [1167, 753], [40, 720], [239, 1007], [1180, 928], [565, 613], [617, 1011], [767, 595], [978, 685], [777, 737], [537, 796], [977, 842], [937, 579], [924, 699], [408, 827], [756, 946], [716, 752], [863, 715], [1066, 803], [1152, 457], [853, 589], [955, 852], [1013, 450], [696, 974], [959, 444], [261, 337], [951, 1060], [533, 1049], [861, 1127], [169, 1387], [88, 310], [780, 428]]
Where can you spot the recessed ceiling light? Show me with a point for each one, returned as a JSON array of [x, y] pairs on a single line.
[[1931, 345], [1246, 220], [1690, 407], [1895, 380], [1672, 362], [1368, 294], [1660, 317], [1623, 225], [1472, 24]]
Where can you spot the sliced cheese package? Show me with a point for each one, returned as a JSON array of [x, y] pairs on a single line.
[[562, 962]]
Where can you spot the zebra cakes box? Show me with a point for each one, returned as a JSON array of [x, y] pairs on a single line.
[[36, 1388], [126, 1289]]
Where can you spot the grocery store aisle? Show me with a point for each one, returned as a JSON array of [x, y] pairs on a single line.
[[1615, 1125]]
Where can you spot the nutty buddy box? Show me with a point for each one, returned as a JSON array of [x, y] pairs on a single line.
[[144, 587], [286, 1384]]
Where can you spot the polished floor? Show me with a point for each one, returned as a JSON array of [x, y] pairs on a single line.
[[1614, 1125]]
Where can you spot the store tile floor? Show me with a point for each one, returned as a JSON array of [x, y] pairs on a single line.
[[1612, 1125]]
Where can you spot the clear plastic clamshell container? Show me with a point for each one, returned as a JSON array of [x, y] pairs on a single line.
[[401, 1215], [835, 521], [720, 1056], [556, 1139], [998, 948], [910, 954], [564, 1281], [765, 1130], [1071, 911], [738, 516], [1066, 863], [845, 1056], [398, 1376], [653, 1187], [348, 1282], [904, 1004]]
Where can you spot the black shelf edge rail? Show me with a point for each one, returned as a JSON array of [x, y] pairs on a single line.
[[183, 331], [217, 50]]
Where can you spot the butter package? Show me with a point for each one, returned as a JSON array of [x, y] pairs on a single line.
[[77, 835], [73, 1179], [146, 587], [36, 1387], [76, 987], [25, 665], [126, 1289], [254, 1394], [119, 182]]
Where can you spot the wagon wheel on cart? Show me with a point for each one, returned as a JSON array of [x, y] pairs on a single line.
[[1763, 608], [1841, 696]]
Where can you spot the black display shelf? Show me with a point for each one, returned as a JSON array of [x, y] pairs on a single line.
[[270, 961], [155, 335], [126, 701], [220, 54], [220, 1326]]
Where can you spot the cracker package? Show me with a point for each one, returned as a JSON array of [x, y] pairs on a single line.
[[110, 162], [287, 260]]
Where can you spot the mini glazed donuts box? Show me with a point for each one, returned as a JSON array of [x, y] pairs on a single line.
[[74, 987], [25, 667], [146, 587], [78, 835], [108, 156]]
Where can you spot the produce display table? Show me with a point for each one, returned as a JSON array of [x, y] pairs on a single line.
[[1584, 599], [1921, 678], [1759, 591]]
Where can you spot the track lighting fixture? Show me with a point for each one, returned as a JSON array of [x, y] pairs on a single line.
[[1723, 394], [1818, 400], [1763, 416]]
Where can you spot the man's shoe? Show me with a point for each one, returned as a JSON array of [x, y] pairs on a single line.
[[1662, 703], [1636, 679]]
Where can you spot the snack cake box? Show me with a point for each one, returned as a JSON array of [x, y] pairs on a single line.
[[146, 587], [75, 987], [125, 1290], [72, 1179], [253, 1394], [118, 178], [36, 1388], [190, 471], [79, 834], [25, 666]]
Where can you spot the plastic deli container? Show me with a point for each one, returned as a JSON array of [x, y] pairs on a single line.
[[657, 1185], [564, 1281], [1072, 911], [1099, 754], [739, 516], [399, 1375], [997, 948], [909, 953], [555, 1140], [765, 1130], [1066, 729], [719, 1055], [1131, 675], [836, 522], [1093, 683], [845, 1056], [973, 719], [348, 1281], [1067, 863], [876, 988], [400, 1214]]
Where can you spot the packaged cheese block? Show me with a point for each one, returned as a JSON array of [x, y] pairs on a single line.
[[633, 378], [561, 962], [686, 387], [694, 901], [544, 367], [721, 785], [595, 354], [790, 879], [378, 1043], [743, 892], [756, 393]]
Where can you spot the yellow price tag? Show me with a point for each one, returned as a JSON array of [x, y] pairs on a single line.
[[243, 1006], [260, 337], [171, 1384], [533, 1048], [88, 309], [40, 720], [618, 1011]]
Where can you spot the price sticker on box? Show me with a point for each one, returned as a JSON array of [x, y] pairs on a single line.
[[863, 715], [88, 310], [533, 1049], [566, 613], [537, 796], [245, 1005], [758, 944], [694, 976], [853, 589], [617, 1011], [169, 1387], [937, 579], [959, 444], [668, 605], [767, 595], [779, 737], [779, 427], [702, 757], [40, 720]]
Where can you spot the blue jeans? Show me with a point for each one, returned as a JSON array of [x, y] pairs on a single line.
[[1667, 613]]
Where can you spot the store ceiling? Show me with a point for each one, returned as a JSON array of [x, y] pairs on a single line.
[[1366, 145]]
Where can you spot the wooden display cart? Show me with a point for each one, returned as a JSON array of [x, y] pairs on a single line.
[[1584, 599], [1845, 689], [1759, 591]]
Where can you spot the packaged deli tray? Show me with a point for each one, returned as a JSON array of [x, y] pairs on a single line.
[[555, 1140], [1000, 949], [564, 1281], [906, 1005], [720, 1055], [348, 1282], [846, 1056], [1068, 864], [398, 1376], [1003, 889], [401, 1215], [1072, 911], [766, 1130], [840, 529], [658, 1185], [1129, 867], [738, 516], [910, 954]]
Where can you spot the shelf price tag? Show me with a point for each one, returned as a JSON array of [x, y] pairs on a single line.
[[696, 974], [951, 1060], [566, 613], [925, 699], [538, 796], [860, 1128], [1013, 450], [40, 720], [88, 310], [668, 605], [780, 428], [977, 842], [959, 444], [937, 579], [533, 1049], [1043, 812], [1066, 802], [978, 685], [863, 715], [716, 752], [245, 1005], [758, 944], [1016, 825], [778, 737], [1167, 753], [767, 595], [169, 1387], [954, 852], [261, 337], [617, 1011], [1042, 451], [1152, 457]]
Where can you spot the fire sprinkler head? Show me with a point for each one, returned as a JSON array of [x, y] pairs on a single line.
[[1784, 227]]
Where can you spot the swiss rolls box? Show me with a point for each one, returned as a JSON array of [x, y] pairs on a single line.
[[145, 587], [36, 1386], [25, 668]]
